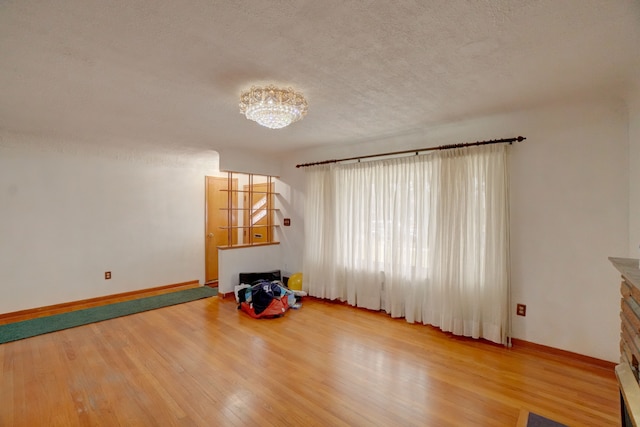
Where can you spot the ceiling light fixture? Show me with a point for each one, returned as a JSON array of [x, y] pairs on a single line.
[[273, 107]]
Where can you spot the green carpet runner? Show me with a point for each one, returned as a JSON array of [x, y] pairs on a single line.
[[42, 325]]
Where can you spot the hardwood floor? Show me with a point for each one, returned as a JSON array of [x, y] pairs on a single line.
[[204, 363]]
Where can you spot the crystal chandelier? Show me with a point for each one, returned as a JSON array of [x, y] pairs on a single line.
[[273, 107]]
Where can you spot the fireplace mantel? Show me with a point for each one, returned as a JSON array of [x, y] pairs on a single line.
[[628, 369], [628, 267], [629, 393]]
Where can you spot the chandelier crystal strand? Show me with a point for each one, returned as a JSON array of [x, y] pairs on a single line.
[[273, 107]]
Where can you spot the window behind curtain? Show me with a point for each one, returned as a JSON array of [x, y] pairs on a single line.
[[423, 237]]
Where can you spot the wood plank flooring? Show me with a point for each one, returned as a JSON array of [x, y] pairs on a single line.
[[204, 363]]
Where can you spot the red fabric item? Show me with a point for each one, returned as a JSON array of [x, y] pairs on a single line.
[[277, 307]]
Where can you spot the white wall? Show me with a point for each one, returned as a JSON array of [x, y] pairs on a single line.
[[569, 212], [235, 160], [290, 201], [70, 211], [634, 176], [246, 260]]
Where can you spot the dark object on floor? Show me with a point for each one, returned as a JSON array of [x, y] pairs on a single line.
[[536, 420], [251, 278], [42, 325]]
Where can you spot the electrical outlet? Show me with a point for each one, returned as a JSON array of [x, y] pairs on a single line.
[[107, 275], [521, 309]]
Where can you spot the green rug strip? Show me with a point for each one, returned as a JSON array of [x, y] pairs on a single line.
[[43, 325]]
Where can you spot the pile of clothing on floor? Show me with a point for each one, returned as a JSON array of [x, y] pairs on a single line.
[[267, 298]]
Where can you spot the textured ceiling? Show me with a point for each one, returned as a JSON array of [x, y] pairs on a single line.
[[169, 72]]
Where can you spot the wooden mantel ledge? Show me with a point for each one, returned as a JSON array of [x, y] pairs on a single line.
[[630, 390], [628, 267]]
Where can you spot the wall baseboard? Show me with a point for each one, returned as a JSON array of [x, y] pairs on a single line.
[[587, 360], [32, 313]]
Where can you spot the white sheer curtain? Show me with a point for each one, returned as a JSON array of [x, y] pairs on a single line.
[[421, 237]]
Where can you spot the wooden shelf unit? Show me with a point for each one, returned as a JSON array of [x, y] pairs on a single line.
[[265, 230]]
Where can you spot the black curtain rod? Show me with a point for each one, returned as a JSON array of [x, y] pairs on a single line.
[[441, 147]]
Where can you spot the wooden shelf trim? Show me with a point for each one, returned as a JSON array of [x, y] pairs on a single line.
[[249, 209], [256, 227], [253, 245], [249, 191]]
